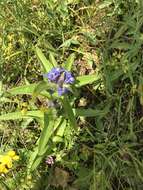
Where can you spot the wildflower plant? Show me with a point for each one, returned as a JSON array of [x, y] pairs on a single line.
[[59, 85]]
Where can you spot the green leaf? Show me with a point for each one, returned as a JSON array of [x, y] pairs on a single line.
[[87, 79], [30, 30], [140, 90], [32, 159], [36, 162], [46, 134], [3, 185], [47, 66], [72, 1], [1, 88], [4, 100], [69, 112], [115, 75], [60, 131], [121, 31], [105, 4], [69, 42], [120, 45], [69, 62], [50, 125], [26, 122], [91, 112], [52, 59], [49, 128], [25, 89], [42, 86], [20, 115]]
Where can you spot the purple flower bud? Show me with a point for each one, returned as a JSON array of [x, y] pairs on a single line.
[[50, 160]]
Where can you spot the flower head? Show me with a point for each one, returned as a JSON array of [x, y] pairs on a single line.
[[68, 78], [13, 155], [54, 74], [50, 160], [3, 169], [60, 76], [6, 161]]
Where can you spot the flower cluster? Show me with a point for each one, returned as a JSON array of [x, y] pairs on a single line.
[[50, 160], [6, 161], [61, 77]]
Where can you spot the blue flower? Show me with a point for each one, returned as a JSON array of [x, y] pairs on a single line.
[[62, 90], [68, 78], [54, 74], [60, 76]]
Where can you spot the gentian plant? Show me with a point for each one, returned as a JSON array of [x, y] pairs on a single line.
[[58, 124]]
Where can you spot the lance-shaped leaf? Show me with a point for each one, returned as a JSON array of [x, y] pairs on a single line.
[[69, 62], [91, 112], [25, 89], [50, 125], [34, 160], [46, 133], [60, 131], [42, 86], [52, 59], [87, 79], [46, 64], [69, 112], [20, 115]]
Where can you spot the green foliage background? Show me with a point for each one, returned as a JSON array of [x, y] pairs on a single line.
[[97, 141]]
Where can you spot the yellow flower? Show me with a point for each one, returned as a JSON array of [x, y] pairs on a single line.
[[3, 169], [15, 157], [6, 160], [11, 153]]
